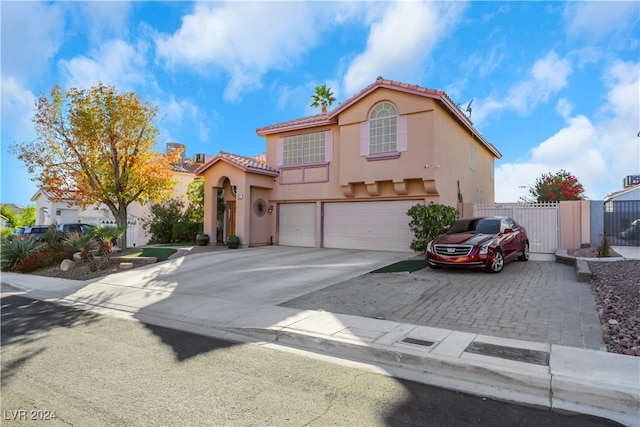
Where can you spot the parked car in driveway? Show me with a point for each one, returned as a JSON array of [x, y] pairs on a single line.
[[632, 232], [479, 242], [77, 228], [36, 232], [18, 234]]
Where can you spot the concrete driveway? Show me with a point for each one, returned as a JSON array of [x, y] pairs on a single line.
[[270, 275]]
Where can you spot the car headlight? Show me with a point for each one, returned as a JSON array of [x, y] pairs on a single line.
[[429, 246], [484, 249]]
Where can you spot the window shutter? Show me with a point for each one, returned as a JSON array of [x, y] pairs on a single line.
[[328, 146], [402, 133], [364, 139], [279, 152]]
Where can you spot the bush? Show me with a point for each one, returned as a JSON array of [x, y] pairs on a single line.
[[43, 258], [159, 224], [15, 251], [186, 231], [169, 221], [6, 232], [428, 221]]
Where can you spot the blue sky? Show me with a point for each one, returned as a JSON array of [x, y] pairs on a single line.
[[555, 84]]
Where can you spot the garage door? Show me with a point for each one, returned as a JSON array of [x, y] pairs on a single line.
[[382, 226], [297, 224]]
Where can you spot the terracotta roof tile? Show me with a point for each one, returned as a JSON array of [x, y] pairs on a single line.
[[256, 164]]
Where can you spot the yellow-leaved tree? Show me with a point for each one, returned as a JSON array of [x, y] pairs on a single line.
[[98, 145]]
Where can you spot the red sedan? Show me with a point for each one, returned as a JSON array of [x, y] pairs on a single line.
[[483, 242]]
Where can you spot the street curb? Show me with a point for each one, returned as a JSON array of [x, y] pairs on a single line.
[[486, 376]]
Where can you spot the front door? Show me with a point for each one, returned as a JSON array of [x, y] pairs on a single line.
[[230, 218]]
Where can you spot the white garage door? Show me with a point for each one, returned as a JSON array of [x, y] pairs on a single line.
[[382, 226], [297, 224]]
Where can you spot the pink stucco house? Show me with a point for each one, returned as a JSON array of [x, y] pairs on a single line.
[[346, 178]]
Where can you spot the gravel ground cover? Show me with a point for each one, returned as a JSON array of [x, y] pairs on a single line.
[[616, 287]]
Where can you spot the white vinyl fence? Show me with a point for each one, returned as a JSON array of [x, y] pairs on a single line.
[[540, 219]]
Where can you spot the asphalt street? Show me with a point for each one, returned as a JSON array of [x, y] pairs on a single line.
[[64, 366]]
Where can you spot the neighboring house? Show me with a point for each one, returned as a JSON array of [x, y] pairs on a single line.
[[67, 211], [346, 178], [622, 216], [4, 220]]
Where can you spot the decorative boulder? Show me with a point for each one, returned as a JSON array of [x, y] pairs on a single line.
[[67, 265]]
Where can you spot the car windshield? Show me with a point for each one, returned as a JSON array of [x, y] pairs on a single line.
[[482, 226]]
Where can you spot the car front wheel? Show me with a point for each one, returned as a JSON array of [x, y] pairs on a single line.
[[497, 264], [525, 253]]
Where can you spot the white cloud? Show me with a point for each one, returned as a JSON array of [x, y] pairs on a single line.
[[18, 106], [599, 152], [115, 62], [564, 107], [245, 39], [547, 77], [599, 18], [32, 33], [103, 20], [400, 41]]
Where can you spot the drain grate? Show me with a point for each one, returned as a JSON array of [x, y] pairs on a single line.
[[416, 341], [518, 354]]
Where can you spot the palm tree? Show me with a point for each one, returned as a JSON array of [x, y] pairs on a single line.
[[323, 97]]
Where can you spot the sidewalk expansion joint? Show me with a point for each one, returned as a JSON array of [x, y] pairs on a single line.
[[517, 354]]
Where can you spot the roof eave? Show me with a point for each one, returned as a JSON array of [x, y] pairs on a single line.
[[292, 127]]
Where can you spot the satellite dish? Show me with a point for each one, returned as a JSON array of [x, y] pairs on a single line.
[[468, 109]]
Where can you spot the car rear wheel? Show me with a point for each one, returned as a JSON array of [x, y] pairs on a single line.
[[525, 253], [498, 263]]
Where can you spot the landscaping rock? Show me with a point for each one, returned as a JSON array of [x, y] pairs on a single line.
[[67, 265], [125, 265]]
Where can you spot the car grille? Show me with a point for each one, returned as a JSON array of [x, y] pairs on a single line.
[[453, 250]]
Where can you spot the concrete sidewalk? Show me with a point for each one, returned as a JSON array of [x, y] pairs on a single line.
[[554, 376]]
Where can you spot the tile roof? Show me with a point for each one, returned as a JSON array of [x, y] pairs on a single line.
[[331, 117], [256, 164], [305, 122], [621, 192]]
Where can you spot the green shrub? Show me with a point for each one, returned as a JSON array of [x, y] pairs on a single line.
[[159, 224], [428, 221], [15, 251], [6, 232], [186, 231]]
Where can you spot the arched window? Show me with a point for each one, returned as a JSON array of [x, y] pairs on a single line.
[[383, 128]]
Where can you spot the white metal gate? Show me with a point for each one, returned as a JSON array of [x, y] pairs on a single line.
[[540, 219]]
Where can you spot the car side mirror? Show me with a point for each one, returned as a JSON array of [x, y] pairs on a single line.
[[508, 230], [444, 230]]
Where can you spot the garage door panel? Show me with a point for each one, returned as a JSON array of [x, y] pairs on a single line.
[[297, 225], [368, 225]]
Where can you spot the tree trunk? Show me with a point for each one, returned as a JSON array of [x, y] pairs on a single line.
[[121, 221]]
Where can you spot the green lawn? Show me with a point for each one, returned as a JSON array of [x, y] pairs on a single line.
[[160, 253], [409, 265]]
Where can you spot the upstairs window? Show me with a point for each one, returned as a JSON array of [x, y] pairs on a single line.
[[383, 128], [384, 135], [304, 149]]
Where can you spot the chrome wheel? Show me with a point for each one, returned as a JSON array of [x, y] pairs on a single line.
[[498, 262]]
